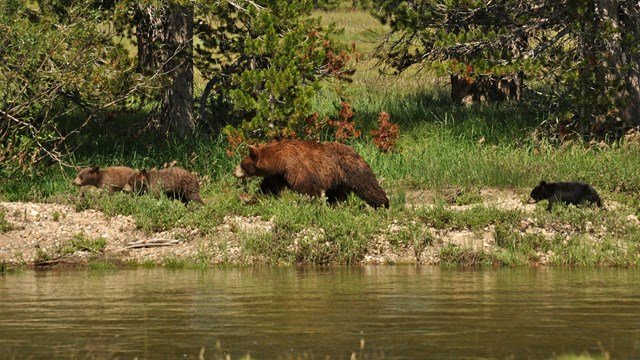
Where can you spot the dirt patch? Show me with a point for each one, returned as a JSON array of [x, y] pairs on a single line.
[[504, 199]]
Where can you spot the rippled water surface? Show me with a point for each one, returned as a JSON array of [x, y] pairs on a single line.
[[271, 313]]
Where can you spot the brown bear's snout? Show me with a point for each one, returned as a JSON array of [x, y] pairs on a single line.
[[77, 181], [239, 172]]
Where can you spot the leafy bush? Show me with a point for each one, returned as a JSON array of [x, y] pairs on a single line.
[[54, 66]]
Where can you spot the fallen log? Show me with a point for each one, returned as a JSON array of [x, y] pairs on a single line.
[[151, 243]]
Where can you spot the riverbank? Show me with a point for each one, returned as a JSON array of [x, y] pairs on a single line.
[[487, 227]]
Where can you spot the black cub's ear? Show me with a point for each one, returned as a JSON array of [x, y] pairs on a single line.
[[543, 182]]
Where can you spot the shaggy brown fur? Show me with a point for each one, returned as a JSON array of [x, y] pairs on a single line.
[[175, 182], [312, 168], [114, 177]]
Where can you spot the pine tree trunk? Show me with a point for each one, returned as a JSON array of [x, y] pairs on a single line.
[[621, 24], [149, 36], [177, 113], [630, 107]]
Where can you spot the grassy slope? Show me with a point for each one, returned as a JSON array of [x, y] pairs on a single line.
[[441, 146]]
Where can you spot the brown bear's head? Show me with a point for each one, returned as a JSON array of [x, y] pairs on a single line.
[[87, 176], [137, 182], [249, 165]]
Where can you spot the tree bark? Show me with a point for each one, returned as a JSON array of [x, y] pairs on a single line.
[[177, 113], [630, 22], [618, 19], [164, 36], [149, 37]]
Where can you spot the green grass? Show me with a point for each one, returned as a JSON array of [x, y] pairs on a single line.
[[101, 265], [80, 242], [5, 225], [477, 217]]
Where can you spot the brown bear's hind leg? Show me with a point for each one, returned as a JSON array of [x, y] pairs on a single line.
[[337, 195]]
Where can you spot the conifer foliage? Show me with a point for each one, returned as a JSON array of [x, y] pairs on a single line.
[[263, 63]]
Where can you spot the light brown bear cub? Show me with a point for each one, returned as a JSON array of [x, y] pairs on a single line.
[[113, 177], [175, 182]]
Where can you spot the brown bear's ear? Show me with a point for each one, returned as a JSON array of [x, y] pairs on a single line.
[[95, 169], [143, 172], [253, 151]]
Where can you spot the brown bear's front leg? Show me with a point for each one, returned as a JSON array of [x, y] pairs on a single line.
[[272, 185]]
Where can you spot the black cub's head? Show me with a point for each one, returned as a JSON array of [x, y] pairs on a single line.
[[539, 192]]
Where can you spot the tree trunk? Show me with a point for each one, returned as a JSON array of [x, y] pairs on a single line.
[[618, 75], [164, 35], [177, 113], [149, 36], [630, 22]]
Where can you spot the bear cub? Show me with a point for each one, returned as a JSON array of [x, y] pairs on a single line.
[[175, 182], [316, 169], [567, 192], [113, 177]]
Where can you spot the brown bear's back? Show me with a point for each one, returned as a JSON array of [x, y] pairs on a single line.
[[175, 181]]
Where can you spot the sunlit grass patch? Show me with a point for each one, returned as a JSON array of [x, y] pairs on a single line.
[[584, 252], [516, 248], [5, 225], [101, 265], [6, 268], [80, 242], [477, 217], [453, 255]]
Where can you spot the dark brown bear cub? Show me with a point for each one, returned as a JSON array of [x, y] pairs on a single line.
[[114, 177], [567, 192], [314, 169], [175, 182]]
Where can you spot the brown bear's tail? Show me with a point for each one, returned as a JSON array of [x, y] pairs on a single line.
[[365, 185]]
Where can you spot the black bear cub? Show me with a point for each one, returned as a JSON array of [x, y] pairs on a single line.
[[567, 192]]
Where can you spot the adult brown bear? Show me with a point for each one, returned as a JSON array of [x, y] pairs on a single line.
[[314, 169]]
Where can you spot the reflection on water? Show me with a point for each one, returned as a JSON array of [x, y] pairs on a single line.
[[400, 312]]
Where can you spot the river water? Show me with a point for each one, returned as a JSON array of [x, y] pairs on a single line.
[[378, 312]]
